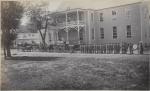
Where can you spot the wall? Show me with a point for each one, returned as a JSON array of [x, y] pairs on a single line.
[[145, 23], [28, 38], [120, 20], [131, 14]]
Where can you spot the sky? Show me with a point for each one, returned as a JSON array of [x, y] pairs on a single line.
[[59, 5]]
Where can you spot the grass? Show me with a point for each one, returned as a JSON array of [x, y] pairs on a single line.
[[73, 73]]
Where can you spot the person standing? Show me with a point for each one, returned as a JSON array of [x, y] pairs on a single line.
[[131, 48], [141, 49]]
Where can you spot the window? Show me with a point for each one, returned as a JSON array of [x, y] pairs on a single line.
[[146, 12], [114, 32], [102, 33], [128, 31], [81, 16], [81, 34], [49, 36], [101, 16], [113, 12], [92, 17], [93, 35], [128, 13]]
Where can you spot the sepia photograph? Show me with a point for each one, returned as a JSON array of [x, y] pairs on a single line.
[[75, 44]]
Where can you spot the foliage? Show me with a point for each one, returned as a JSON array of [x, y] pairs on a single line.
[[39, 18], [11, 13]]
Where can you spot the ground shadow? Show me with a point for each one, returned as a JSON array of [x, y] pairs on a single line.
[[37, 58]]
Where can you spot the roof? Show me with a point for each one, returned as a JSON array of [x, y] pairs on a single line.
[[93, 4], [78, 8]]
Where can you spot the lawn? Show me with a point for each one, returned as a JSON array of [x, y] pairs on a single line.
[[88, 73]]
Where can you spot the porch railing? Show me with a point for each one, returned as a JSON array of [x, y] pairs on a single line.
[[70, 23]]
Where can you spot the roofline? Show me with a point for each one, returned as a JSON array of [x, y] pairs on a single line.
[[64, 11], [119, 6], [26, 32]]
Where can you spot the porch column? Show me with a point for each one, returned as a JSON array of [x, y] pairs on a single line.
[[78, 28], [67, 34], [85, 29], [56, 35], [67, 29]]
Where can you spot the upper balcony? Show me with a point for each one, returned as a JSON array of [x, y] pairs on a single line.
[[69, 18]]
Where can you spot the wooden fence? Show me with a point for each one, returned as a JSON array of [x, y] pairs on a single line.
[[110, 48]]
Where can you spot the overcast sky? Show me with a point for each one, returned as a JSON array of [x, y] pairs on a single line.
[[58, 5]]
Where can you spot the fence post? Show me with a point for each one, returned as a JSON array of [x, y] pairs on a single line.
[[81, 48], [92, 49], [113, 48], [103, 49], [131, 48], [109, 48], [96, 49], [106, 48], [85, 48], [120, 48]]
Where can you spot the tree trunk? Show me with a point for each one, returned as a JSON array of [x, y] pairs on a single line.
[[8, 51], [42, 37], [4, 49]]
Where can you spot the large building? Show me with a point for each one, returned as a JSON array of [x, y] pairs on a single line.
[[27, 34], [126, 23], [28, 38]]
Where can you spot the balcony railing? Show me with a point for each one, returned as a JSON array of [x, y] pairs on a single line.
[[70, 23], [61, 24]]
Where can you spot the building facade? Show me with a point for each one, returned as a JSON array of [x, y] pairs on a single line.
[[126, 23], [28, 38]]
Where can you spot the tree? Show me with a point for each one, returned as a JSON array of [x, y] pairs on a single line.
[[39, 17], [11, 13], [41, 22]]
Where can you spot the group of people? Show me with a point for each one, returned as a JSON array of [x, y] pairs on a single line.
[[114, 48], [111, 48]]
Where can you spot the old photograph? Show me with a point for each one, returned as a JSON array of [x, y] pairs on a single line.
[[75, 45]]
